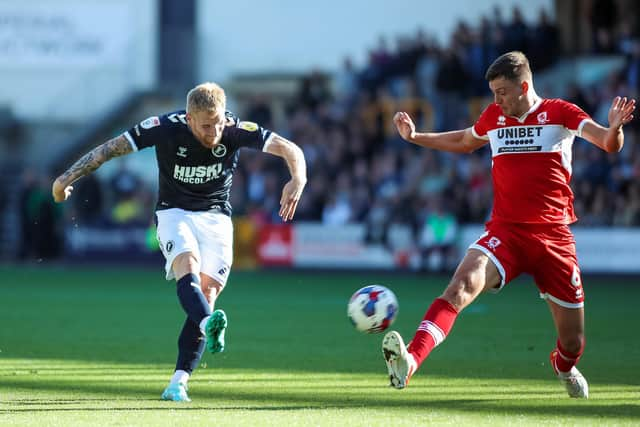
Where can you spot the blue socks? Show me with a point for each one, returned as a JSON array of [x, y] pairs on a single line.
[[192, 299], [191, 344]]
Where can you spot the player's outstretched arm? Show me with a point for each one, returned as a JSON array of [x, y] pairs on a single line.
[[457, 141], [91, 161], [611, 139], [292, 154]]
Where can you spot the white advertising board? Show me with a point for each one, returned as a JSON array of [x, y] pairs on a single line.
[[318, 245], [602, 250]]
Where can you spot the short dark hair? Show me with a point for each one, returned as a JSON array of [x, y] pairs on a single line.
[[512, 66]]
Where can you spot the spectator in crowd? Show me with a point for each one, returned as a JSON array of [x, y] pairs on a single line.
[[259, 111], [603, 16], [128, 205], [88, 204], [345, 86], [40, 219], [632, 68], [544, 42], [314, 90], [28, 214], [518, 32], [437, 235]]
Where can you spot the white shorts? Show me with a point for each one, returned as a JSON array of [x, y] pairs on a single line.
[[207, 235]]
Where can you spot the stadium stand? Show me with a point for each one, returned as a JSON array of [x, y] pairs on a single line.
[[342, 121]]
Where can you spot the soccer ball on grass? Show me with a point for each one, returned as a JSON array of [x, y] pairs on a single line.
[[372, 309]]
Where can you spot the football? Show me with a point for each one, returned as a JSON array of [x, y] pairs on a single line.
[[372, 309]]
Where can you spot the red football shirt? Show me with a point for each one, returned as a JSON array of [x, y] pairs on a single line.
[[531, 158]]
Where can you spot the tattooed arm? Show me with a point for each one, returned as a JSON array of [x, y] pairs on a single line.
[[91, 161]]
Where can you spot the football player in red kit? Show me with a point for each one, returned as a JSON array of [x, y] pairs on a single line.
[[528, 231]]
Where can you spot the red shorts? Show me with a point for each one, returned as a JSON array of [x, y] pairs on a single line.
[[547, 252]]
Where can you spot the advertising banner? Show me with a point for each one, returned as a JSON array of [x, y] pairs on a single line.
[[275, 245], [68, 33], [314, 245]]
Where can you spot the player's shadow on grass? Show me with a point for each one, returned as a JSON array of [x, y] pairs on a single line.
[[171, 406], [540, 403]]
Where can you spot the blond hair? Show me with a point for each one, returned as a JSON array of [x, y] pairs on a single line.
[[207, 97]]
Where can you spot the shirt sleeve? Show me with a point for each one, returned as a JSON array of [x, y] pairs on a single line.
[[248, 134], [481, 126], [145, 134], [574, 117]]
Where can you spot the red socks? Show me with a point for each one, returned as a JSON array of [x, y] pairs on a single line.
[[437, 322], [565, 360]]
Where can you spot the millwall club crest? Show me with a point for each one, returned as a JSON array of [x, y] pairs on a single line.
[[219, 150]]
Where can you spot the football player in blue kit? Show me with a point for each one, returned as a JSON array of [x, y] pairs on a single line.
[[197, 151]]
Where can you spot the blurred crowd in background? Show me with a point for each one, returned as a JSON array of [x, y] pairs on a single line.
[[361, 171]]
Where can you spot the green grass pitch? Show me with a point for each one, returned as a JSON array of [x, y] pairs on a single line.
[[82, 346]]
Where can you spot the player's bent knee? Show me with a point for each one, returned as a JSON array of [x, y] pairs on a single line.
[[211, 290], [185, 263], [573, 344], [461, 292], [210, 287]]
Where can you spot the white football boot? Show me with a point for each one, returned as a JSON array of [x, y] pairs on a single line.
[[575, 383], [400, 363]]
